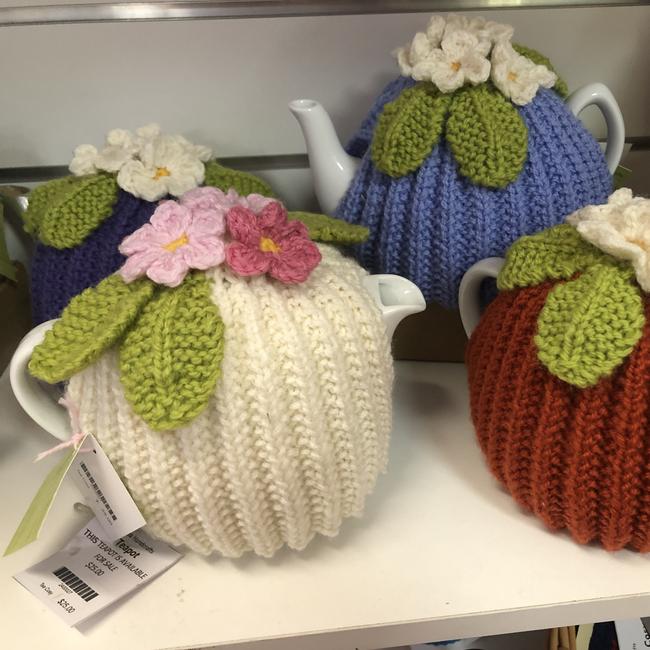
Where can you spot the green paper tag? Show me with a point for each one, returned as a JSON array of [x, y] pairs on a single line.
[[30, 526], [620, 174], [7, 269]]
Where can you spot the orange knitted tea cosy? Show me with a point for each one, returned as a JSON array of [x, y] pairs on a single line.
[[559, 375]]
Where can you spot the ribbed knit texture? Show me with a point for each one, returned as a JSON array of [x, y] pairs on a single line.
[[295, 435], [578, 458], [433, 224], [60, 274]]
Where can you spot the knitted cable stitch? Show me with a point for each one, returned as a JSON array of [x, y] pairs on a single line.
[[292, 439]]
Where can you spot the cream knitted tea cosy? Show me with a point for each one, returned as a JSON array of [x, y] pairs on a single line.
[[242, 389]]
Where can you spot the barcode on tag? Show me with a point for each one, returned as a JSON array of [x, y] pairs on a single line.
[[104, 492], [98, 492], [91, 572], [75, 583]]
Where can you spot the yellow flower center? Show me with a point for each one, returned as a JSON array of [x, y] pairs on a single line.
[[177, 243], [512, 76], [160, 172], [268, 245], [455, 66], [639, 242]]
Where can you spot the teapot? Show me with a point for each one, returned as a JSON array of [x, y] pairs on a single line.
[[558, 371], [242, 413], [445, 178]]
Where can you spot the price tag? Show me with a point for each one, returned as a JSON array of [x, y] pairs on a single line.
[[632, 635], [90, 573], [104, 492], [100, 485]]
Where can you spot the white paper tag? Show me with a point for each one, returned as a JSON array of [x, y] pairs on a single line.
[[104, 491], [90, 573], [632, 635]]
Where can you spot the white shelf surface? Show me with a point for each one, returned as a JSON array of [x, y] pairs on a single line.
[[442, 552]]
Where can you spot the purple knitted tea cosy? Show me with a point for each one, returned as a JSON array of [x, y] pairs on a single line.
[[80, 220], [449, 178]]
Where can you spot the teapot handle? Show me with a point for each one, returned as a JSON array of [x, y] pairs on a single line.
[[37, 401], [470, 290], [600, 95]]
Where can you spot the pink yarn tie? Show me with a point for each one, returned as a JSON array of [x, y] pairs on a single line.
[[77, 434]]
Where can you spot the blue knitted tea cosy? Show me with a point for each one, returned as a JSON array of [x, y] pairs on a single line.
[[448, 179], [79, 221], [58, 274]]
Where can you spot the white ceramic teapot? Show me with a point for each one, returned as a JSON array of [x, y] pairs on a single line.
[[295, 433], [333, 169]]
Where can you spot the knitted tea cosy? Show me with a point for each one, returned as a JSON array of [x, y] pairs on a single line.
[[559, 374], [247, 405], [463, 154], [79, 221]]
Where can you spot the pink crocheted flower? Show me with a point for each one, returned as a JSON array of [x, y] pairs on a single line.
[[176, 239], [268, 243], [204, 199]]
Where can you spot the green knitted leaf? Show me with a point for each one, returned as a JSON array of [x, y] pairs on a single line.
[[553, 254], [170, 360], [590, 325], [560, 86], [223, 178], [43, 197], [487, 136], [63, 212], [92, 322], [408, 129], [329, 229]]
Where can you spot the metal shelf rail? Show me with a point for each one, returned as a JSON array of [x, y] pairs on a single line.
[[220, 9]]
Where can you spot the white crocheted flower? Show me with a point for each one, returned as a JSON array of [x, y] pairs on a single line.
[[148, 164], [516, 76], [416, 59], [83, 160], [484, 30], [120, 147], [167, 165], [459, 59], [621, 227]]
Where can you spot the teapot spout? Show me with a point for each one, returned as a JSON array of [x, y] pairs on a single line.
[[397, 298], [332, 168]]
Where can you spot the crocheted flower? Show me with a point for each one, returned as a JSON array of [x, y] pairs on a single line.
[[516, 76], [166, 165], [268, 243], [459, 59], [175, 240], [121, 146], [83, 160], [148, 164], [211, 200], [484, 30], [621, 228]]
